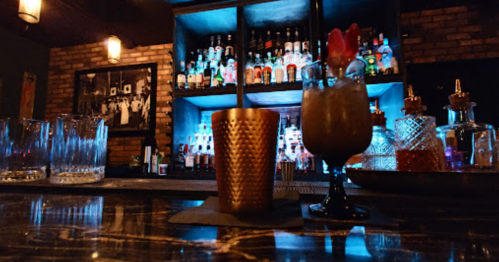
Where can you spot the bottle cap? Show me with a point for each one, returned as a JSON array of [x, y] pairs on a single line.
[[459, 99], [412, 104], [378, 116]]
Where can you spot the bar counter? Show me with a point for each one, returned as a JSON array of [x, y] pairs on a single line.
[[111, 225]]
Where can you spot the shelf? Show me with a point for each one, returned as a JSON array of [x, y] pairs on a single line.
[[272, 95]]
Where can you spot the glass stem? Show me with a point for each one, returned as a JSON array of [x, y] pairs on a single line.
[[336, 189]]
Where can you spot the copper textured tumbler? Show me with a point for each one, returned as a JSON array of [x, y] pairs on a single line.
[[245, 153]]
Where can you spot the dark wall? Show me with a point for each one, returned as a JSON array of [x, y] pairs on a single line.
[[18, 55]]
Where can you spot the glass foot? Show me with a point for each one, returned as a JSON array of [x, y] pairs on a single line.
[[347, 212]]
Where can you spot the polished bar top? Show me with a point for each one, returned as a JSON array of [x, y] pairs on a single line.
[[117, 227]]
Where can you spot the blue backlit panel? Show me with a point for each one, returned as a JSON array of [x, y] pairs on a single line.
[[221, 21], [276, 98], [288, 12], [218, 101]]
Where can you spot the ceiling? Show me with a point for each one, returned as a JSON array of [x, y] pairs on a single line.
[[74, 22]]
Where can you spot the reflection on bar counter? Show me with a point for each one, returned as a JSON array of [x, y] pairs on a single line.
[[417, 146], [467, 144]]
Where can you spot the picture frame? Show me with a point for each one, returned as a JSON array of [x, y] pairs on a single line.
[[124, 96]]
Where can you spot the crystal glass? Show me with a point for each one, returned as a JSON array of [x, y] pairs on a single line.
[[417, 147], [475, 143], [23, 150], [78, 149], [336, 124], [380, 155]]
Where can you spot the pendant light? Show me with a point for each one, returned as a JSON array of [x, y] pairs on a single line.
[[113, 49], [29, 10]]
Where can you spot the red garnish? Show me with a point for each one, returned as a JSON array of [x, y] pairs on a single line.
[[342, 49]]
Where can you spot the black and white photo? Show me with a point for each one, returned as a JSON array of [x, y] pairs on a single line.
[[121, 95]]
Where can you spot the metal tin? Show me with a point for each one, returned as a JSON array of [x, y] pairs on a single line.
[[245, 153]]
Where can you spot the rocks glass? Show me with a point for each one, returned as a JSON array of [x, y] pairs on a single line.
[[78, 149], [23, 150]]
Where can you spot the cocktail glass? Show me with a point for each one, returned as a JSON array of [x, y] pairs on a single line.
[[336, 124]]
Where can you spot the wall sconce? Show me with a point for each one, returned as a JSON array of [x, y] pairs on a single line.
[[113, 49], [29, 10]]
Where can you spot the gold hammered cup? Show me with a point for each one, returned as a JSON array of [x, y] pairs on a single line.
[[245, 155]]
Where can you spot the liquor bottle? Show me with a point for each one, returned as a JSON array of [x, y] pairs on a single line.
[[211, 49], [181, 76], [218, 80], [279, 69], [249, 70], [305, 46], [219, 49], [267, 70], [260, 45], [199, 70], [206, 159], [297, 55], [155, 160], [252, 43], [269, 45], [371, 67], [198, 158], [191, 76], [380, 155], [302, 160], [474, 141], [230, 69], [297, 43], [291, 71], [386, 57], [189, 159], [278, 50], [147, 146], [180, 162], [258, 69], [417, 147], [207, 75], [288, 46]]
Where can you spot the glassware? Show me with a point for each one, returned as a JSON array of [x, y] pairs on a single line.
[[380, 155], [78, 149], [417, 147], [24, 152], [336, 124], [474, 144]]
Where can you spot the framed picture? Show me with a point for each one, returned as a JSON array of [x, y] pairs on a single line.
[[124, 96]]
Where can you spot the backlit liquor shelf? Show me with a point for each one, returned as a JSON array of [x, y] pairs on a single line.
[[279, 36]]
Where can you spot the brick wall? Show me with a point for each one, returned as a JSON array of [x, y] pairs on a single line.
[[449, 34], [65, 61]]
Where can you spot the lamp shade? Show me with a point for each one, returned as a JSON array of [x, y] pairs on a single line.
[[29, 10], [114, 49]]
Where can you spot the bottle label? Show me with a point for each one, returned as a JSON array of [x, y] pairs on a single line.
[[219, 52], [267, 75], [191, 78], [189, 161], [215, 82], [211, 53], [199, 78], [154, 164], [181, 81], [198, 160], [279, 75], [291, 74], [229, 75], [206, 159], [249, 76], [268, 44], [229, 50], [305, 46], [288, 47], [297, 46], [207, 80], [258, 75]]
